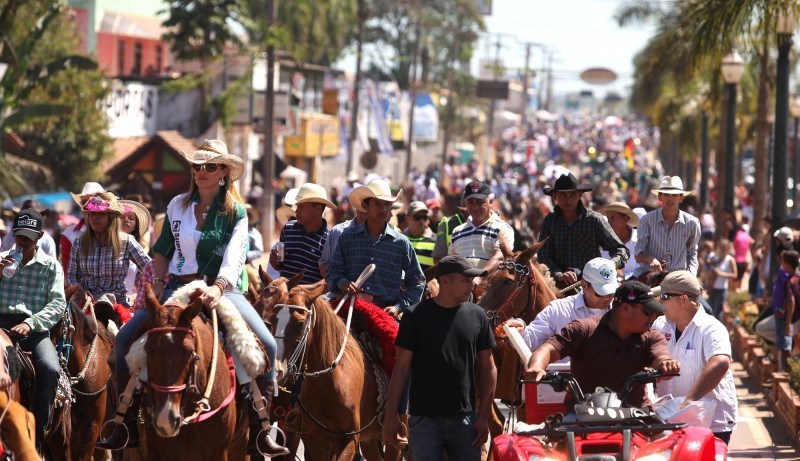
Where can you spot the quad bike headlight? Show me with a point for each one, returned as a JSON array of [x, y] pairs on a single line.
[[662, 455]]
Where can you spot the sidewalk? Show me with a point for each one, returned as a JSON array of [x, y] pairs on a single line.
[[759, 434]]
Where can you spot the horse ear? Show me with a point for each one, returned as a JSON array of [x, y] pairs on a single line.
[[251, 290], [151, 302], [195, 294], [70, 290], [294, 281], [191, 310], [529, 253], [315, 293], [505, 248], [265, 278]]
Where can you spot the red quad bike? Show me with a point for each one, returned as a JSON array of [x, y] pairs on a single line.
[[607, 429]]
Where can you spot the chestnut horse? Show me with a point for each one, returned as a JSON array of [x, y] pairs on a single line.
[[17, 430], [338, 400], [83, 341], [179, 349]]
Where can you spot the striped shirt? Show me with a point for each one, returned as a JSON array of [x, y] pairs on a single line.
[[423, 246], [36, 290], [479, 243], [397, 280], [702, 339], [99, 272], [678, 245], [302, 250]]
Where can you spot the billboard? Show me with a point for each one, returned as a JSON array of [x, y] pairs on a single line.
[[131, 108]]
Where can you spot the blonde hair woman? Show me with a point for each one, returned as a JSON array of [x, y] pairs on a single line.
[[205, 237]]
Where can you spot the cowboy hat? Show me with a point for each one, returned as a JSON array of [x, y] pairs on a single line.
[[283, 214], [377, 188], [352, 176], [622, 208], [313, 193], [566, 183], [89, 189], [143, 218], [253, 216], [671, 185], [103, 203], [215, 151]]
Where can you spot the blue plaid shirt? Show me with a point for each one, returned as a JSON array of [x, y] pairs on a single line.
[[397, 280]]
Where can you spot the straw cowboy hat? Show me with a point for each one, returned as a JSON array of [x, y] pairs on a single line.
[[312, 193], [378, 189], [104, 203], [215, 151], [143, 218], [566, 183], [253, 216], [623, 208], [89, 189], [286, 212], [671, 185]]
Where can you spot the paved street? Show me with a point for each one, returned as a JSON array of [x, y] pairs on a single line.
[[759, 434]]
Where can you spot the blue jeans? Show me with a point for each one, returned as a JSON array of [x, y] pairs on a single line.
[[717, 300], [431, 436], [125, 335], [45, 363]]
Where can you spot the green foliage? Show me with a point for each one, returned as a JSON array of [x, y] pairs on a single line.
[[736, 300], [315, 31], [794, 375], [225, 102], [201, 29]]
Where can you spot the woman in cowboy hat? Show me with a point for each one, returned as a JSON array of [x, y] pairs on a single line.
[[204, 237], [100, 257], [135, 221], [67, 239]]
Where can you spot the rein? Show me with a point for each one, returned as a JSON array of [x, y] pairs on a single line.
[[202, 405], [522, 273], [66, 347]]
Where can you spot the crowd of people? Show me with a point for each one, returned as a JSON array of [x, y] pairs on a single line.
[[651, 280]]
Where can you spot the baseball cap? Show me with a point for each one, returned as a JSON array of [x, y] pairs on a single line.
[[433, 204], [602, 274], [454, 264], [635, 292], [784, 234], [680, 282], [476, 189], [416, 207], [28, 223]]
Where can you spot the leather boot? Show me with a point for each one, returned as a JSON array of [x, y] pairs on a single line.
[[260, 442], [125, 432]]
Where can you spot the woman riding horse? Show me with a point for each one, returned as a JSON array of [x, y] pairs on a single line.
[[206, 238]]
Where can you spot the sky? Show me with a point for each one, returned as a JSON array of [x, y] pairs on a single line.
[[581, 34]]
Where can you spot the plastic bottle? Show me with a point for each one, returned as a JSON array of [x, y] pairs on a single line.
[[11, 269]]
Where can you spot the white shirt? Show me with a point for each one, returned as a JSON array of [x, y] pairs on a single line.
[[631, 264], [702, 339], [479, 243], [556, 316]]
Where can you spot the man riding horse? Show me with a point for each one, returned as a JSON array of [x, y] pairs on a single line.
[[31, 302]]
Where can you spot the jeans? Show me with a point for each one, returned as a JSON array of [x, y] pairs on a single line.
[[256, 323], [717, 299], [45, 362], [431, 436]]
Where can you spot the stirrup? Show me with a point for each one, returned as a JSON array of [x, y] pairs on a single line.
[[111, 423], [279, 432]]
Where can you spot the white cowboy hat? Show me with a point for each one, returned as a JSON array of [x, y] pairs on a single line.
[[313, 193], [352, 176], [671, 185], [90, 188], [377, 188], [623, 208], [215, 151], [283, 214]]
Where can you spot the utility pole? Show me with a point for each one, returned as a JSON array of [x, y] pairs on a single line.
[[268, 174], [412, 82], [493, 102], [549, 81], [362, 17], [525, 84]]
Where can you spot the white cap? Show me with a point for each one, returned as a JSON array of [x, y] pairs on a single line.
[[602, 274], [784, 234]]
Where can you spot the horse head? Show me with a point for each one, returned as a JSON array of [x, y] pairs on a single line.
[[519, 287], [172, 358], [292, 326], [273, 293]]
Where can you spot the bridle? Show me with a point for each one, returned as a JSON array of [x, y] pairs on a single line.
[[522, 273], [202, 406]]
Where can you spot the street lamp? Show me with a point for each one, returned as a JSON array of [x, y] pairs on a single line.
[[732, 70], [794, 109], [786, 26]]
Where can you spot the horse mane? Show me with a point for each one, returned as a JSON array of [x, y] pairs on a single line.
[[329, 334], [83, 323], [549, 282]]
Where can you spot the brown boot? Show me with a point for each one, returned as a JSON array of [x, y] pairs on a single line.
[[125, 432], [260, 442]]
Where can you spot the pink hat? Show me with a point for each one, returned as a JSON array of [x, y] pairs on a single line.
[[433, 204]]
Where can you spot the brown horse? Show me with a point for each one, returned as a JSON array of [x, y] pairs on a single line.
[[338, 401], [179, 349], [73, 433], [17, 430]]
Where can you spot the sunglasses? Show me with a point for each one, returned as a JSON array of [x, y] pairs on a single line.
[[666, 296], [209, 167], [420, 217]]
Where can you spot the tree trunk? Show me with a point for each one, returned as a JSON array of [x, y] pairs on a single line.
[[719, 161], [762, 135]]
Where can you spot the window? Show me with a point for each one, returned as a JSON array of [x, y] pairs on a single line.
[[137, 59], [159, 57], [121, 58]]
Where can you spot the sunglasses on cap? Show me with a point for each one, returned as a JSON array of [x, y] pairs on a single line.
[[419, 217], [209, 167]]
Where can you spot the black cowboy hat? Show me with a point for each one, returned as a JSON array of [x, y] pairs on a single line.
[[566, 183]]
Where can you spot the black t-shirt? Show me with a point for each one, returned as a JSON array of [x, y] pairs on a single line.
[[445, 343]]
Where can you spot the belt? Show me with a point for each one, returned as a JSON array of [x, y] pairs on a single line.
[[190, 277]]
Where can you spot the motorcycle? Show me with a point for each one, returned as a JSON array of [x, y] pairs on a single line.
[[604, 427]]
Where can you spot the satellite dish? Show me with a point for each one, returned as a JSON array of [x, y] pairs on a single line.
[[598, 76]]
